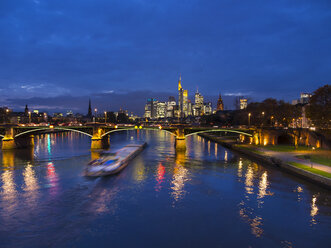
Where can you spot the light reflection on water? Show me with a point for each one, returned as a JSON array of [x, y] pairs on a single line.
[[48, 182]]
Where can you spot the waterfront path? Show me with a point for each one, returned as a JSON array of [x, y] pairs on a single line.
[[292, 157]]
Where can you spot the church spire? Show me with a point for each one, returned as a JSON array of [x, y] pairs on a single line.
[[89, 113]]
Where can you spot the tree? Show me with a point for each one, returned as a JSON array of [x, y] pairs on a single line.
[[319, 108]]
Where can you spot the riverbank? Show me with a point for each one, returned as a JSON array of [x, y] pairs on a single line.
[[320, 177]]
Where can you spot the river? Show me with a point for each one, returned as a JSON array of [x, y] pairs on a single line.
[[208, 196]]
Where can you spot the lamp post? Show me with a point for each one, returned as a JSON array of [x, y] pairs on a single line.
[[262, 118], [95, 114], [7, 114], [249, 119], [105, 117], [29, 117], [271, 119]]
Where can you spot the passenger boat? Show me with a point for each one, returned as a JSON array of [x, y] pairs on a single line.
[[111, 163]]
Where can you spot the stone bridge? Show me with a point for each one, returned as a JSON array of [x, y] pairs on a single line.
[[18, 136]]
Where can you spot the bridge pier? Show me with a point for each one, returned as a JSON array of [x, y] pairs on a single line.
[[100, 143], [98, 140], [8, 143], [180, 144]]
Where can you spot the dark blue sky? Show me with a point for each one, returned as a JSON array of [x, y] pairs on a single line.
[[55, 54]]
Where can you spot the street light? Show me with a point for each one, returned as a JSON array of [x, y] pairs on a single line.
[[29, 117], [271, 119], [105, 117], [249, 119], [7, 114], [95, 114]]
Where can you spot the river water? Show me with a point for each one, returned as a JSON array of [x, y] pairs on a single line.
[[206, 197]]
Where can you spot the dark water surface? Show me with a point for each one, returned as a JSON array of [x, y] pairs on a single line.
[[206, 197]]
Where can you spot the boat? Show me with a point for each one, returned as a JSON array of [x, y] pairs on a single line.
[[112, 163]]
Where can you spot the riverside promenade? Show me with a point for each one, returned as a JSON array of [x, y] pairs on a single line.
[[299, 161]]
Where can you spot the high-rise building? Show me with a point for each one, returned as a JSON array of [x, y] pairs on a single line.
[[170, 107], [185, 103], [207, 108], [198, 104], [180, 98], [220, 105], [161, 110], [304, 98], [189, 108], [243, 103], [151, 108]]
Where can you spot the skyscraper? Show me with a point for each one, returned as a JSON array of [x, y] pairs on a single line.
[[198, 104], [185, 103], [220, 105], [151, 108], [243, 103], [180, 97]]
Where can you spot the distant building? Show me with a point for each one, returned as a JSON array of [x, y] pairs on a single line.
[[26, 110], [207, 108], [243, 103], [220, 105], [151, 108], [185, 103], [170, 107], [198, 108], [180, 98], [70, 113], [161, 110], [304, 99]]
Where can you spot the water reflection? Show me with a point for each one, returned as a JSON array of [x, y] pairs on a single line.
[[180, 176], [31, 186], [263, 185], [249, 179], [139, 173], [255, 223], [225, 155], [240, 168], [160, 177], [216, 148], [314, 209], [52, 178]]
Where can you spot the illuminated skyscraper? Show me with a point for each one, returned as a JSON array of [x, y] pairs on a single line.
[[243, 103], [151, 108], [220, 105], [185, 103], [180, 98], [170, 106], [161, 110], [198, 104]]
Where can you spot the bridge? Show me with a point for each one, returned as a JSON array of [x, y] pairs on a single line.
[[14, 136]]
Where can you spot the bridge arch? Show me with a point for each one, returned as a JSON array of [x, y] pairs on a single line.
[[219, 130], [128, 129], [2, 136], [56, 128]]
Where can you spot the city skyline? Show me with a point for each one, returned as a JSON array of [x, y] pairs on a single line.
[[67, 56]]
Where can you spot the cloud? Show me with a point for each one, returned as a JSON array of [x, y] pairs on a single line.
[[220, 46]]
